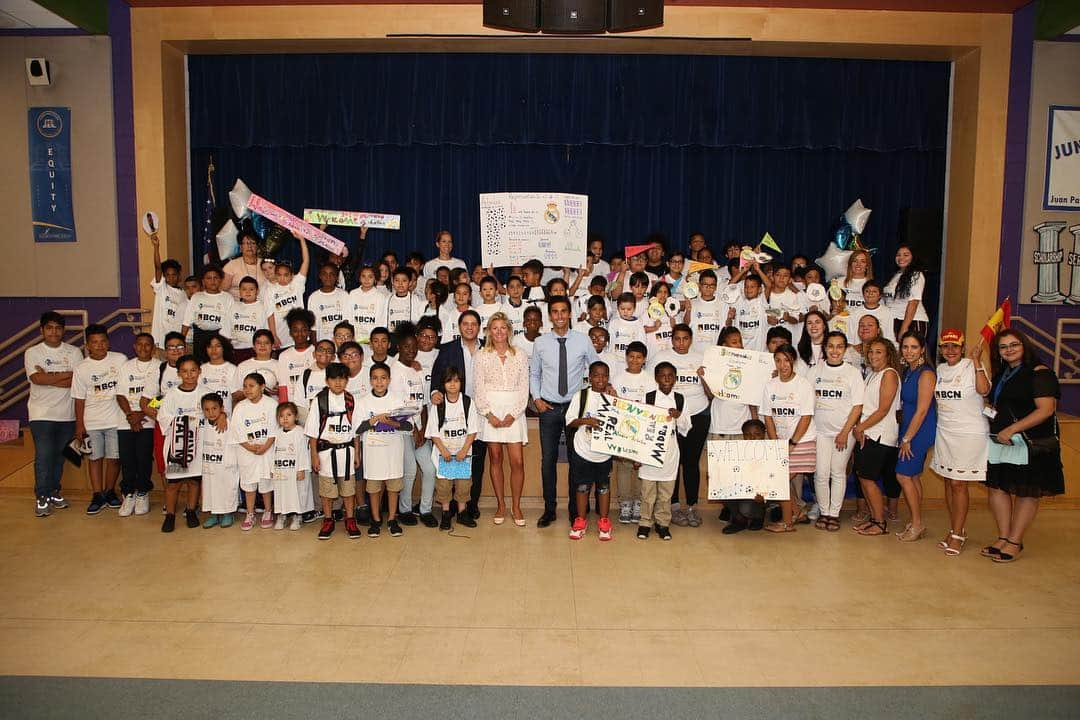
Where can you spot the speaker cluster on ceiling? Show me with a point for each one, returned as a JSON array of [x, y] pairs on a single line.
[[573, 16]]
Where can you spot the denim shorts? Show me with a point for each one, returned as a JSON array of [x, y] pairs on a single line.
[[104, 444]]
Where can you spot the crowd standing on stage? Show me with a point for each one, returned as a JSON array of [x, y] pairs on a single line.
[[248, 396]]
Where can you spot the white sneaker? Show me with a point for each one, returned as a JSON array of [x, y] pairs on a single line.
[[636, 512], [814, 513], [625, 512], [296, 522], [279, 522], [127, 507], [142, 503]]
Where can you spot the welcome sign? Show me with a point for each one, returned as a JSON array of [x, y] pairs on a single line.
[[50, 174], [1062, 159]]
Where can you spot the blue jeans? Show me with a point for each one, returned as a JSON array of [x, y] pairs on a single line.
[[427, 476], [552, 423], [50, 437]]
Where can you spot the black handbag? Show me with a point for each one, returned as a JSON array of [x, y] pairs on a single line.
[[1043, 446]]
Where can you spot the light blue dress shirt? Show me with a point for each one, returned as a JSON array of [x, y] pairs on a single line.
[[544, 365]]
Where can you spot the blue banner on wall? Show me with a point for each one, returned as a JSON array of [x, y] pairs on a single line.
[[50, 174]]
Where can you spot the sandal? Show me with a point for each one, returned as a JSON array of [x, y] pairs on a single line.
[[799, 517], [858, 525], [953, 536], [860, 517], [1004, 557], [833, 525], [780, 527], [880, 528], [911, 533], [990, 551], [822, 523]]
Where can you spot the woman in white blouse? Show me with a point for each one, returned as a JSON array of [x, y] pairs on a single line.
[[501, 378], [878, 431], [903, 294]]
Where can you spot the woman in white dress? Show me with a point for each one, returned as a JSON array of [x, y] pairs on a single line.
[[501, 383], [960, 445]]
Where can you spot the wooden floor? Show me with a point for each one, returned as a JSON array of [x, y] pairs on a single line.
[[105, 596]]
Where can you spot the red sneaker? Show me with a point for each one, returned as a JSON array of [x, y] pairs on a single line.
[[578, 530], [327, 529], [352, 529], [604, 526]]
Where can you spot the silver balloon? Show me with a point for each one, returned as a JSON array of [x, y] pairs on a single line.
[[834, 262], [238, 198], [228, 246]]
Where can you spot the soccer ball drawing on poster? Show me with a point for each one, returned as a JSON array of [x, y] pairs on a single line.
[[494, 227]]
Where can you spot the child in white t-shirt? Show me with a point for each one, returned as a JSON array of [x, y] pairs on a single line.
[[658, 483], [220, 477], [285, 293], [624, 329], [335, 448], [170, 300], [249, 316], [293, 361], [367, 304], [253, 427], [631, 383], [329, 304], [208, 312], [593, 469], [289, 468], [383, 467], [94, 385], [179, 416], [452, 426]]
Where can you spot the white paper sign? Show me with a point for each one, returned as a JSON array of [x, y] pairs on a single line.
[[737, 375], [633, 430], [550, 227], [1063, 159], [743, 469], [350, 218]]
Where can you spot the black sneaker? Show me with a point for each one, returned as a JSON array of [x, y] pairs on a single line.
[[466, 519], [41, 507], [338, 514], [192, 518], [374, 528], [311, 516], [473, 511], [97, 504], [546, 519], [352, 529], [429, 520], [327, 529], [363, 515], [755, 524], [662, 532], [642, 532], [57, 501], [395, 528], [407, 518], [445, 523], [112, 500], [725, 514], [169, 524]]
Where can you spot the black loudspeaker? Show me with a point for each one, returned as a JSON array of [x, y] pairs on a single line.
[[573, 16], [626, 15], [520, 15], [921, 229]]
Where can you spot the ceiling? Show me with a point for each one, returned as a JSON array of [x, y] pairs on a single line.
[[28, 15]]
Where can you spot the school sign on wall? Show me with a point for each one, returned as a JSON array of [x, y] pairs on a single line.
[[1063, 159], [50, 174]]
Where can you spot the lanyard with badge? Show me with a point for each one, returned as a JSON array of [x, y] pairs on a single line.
[[990, 411]]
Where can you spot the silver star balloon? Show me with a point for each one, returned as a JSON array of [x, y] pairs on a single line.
[[834, 262]]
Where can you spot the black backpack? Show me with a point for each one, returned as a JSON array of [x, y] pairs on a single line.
[[323, 398], [650, 399], [440, 409]]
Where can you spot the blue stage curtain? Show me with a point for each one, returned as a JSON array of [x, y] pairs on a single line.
[[245, 101], [731, 147]]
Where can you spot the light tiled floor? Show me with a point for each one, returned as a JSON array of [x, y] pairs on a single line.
[[101, 596]]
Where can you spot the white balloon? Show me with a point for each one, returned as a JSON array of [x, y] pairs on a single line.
[[834, 262], [857, 216], [238, 198], [227, 245]]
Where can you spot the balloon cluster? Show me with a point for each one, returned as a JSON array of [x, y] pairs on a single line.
[[269, 236], [846, 240]]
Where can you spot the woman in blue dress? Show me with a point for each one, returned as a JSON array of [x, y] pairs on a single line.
[[918, 427]]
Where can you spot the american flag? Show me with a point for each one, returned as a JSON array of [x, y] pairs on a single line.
[[209, 251]]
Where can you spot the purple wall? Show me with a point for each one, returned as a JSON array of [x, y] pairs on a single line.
[[1012, 214], [16, 313]]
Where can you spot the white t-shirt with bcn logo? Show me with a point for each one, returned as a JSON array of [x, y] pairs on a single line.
[[208, 311], [98, 383], [46, 401], [329, 309], [136, 377], [787, 403], [279, 300], [456, 427]]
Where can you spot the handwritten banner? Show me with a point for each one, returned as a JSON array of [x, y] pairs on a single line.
[[550, 227], [349, 218], [51, 210], [287, 220], [737, 375], [743, 469], [633, 430]]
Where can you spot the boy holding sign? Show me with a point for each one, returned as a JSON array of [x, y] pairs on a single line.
[[593, 468], [658, 483]]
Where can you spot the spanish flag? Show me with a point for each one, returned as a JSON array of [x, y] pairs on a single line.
[[1000, 319]]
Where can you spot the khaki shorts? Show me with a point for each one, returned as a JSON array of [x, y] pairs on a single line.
[[392, 485], [461, 487], [332, 489]]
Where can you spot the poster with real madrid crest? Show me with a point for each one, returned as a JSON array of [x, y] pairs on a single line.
[[550, 227], [737, 375]]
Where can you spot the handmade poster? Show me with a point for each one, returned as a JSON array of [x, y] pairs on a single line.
[[287, 220], [51, 212], [1063, 159], [633, 430], [349, 218], [743, 469], [737, 375], [550, 227]]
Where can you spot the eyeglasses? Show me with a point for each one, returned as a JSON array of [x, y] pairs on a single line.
[[324, 351], [352, 355], [1010, 346], [174, 347]]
